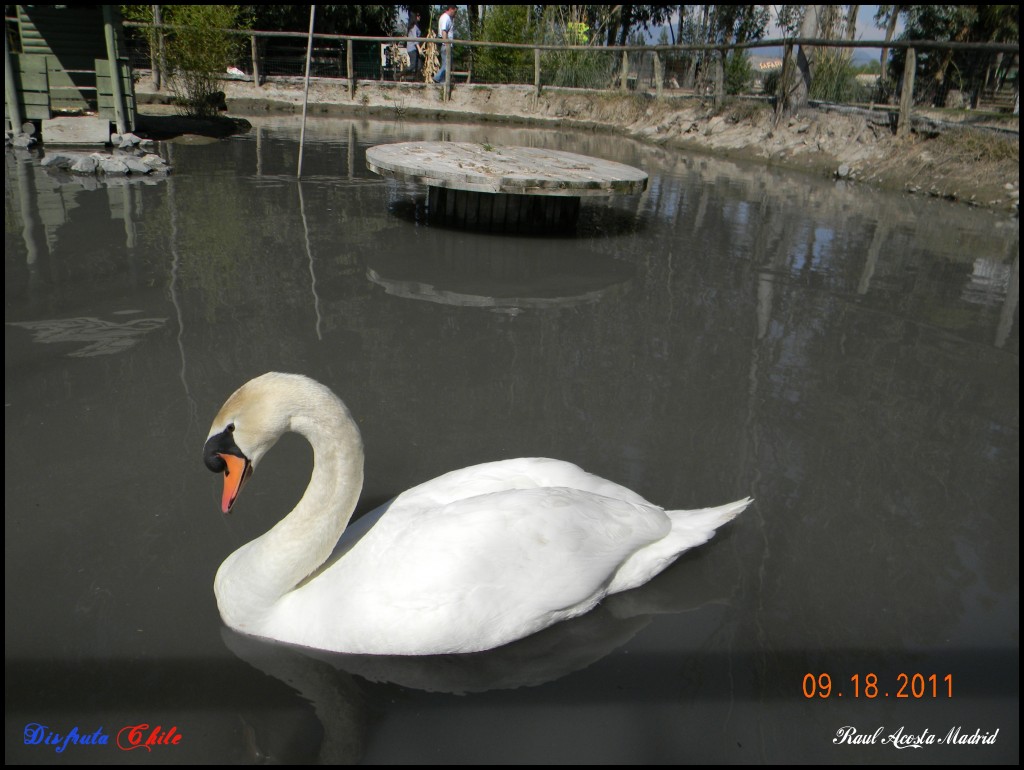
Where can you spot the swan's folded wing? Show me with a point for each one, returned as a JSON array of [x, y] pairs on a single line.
[[481, 572], [504, 475]]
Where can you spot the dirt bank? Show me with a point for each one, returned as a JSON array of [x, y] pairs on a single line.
[[974, 166]]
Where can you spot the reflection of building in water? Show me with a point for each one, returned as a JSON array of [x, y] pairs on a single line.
[[47, 196], [989, 281], [996, 283]]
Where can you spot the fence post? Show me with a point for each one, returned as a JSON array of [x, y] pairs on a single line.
[[536, 71], [350, 69], [255, 61], [448, 73], [625, 72], [658, 76], [907, 95]]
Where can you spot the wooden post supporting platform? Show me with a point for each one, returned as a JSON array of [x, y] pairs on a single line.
[[501, 212]]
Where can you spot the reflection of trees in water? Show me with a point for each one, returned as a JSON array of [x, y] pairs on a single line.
[[888, 444], [882, 438]]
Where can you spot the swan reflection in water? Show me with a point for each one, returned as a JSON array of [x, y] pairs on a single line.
[[337, 686]]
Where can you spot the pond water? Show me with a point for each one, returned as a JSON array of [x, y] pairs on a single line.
[[848, 357]]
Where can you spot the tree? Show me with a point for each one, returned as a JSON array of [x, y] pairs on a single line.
[[737, 24], [810, 27], [370, 20], [888, 15], [620, 20], [968, 71], [506, 24], [1000, 24]]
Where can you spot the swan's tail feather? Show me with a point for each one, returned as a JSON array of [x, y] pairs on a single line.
[[689, 529], [707, 520]]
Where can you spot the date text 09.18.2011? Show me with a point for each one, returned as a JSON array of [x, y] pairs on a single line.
[[915, 686]]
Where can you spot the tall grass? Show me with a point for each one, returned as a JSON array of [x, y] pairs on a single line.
[[834, 79], [567, 25]]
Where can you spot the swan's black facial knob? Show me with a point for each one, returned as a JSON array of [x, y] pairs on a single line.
[[222, 455], [220, 444]]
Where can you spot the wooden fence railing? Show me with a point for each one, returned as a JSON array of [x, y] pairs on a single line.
[[712, 57]]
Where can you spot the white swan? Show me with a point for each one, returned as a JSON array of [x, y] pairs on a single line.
[[469, 561]]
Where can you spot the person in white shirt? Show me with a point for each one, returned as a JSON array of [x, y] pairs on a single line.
[[446, 31], [412, 47]]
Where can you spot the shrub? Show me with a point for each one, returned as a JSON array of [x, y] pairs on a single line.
[[506, 24], [738, 73], [198, 50]]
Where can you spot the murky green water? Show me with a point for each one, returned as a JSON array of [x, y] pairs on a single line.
[[849, 358]]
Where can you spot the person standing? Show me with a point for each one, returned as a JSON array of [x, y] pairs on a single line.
[[412, 47], [445, 31]]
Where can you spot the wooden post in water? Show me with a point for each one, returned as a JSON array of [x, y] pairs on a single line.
[[907, 95]]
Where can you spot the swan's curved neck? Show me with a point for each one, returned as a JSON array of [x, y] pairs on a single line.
[[259, 573]]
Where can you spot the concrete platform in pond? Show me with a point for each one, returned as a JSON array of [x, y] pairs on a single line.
[[503, 189]]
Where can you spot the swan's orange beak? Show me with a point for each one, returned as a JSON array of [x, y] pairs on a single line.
[[237, 471]]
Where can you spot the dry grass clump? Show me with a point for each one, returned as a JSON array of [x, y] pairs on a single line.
[[966, 164], [973, 146], [745, 110]]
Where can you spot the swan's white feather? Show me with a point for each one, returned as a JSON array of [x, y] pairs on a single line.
[[470, 574], [471, 560]]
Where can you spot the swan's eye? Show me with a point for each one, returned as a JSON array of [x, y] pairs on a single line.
[[230, 428]]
